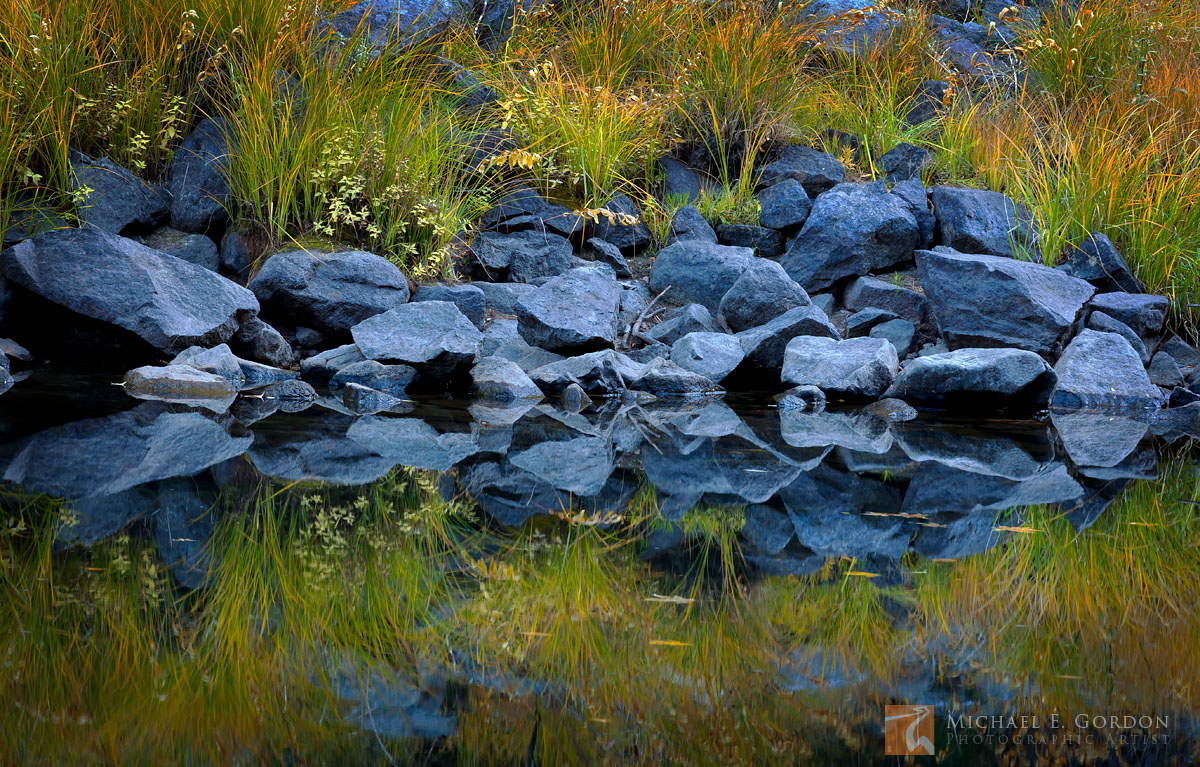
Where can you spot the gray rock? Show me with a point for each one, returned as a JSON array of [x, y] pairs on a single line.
[[1164, 372], [432, 336], [256, 340], [502, 297], [183, 530], [604, 372], [309, 338], [390, 379], [688, 224], [1099, 262], [196, 249], [826, 302], [522, 256], [101, 457], [762, 292], [468, 298], [764, 345], [259, 375], [766, 243], [982, 222], [784, 206], [179, 383], [693, 318], [293, 395], [631, 238], [664, 378], [218, 360], [1144, 314], [727, 466], [197, 182], [904, 162], [852, 229], [1098, 320], [855, 367], [119, 202], [802, 399], [605, 252], [854, 28], [1182, 352], [868, 292], [574, 399], [501, 380], [977, 379], [412, 442], [635, 297], [320, 368], [816, 171], [712, 355], [234, 256], [899, 332], [363, 400], [501, 332], [927, 102], [523, 209], [332, 292], [572, 312], [678, 180], [893, 410], [169, 303], [698, 272], [767, 529], [320, 452], [994, 301], [397, 24], [1101, 370], [861, 322], [913, 192], [827, 510], [993, 448]]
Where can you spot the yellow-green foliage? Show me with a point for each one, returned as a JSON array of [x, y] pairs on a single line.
[[1103, 135]]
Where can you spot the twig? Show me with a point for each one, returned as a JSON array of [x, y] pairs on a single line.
[[641, 317]]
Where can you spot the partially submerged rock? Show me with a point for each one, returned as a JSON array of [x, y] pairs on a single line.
[[1101, 370], [854, 367], [432, 336], [977, 379], [168, 302]]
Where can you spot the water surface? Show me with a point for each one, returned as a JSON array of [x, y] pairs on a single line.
[[712, 582]]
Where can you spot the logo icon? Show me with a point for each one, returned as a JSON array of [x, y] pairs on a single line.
[[908, 730]]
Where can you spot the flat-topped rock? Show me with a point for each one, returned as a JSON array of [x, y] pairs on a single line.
[[977, 378], [854, 367], [994, 301], [433, 336], [576, 311]]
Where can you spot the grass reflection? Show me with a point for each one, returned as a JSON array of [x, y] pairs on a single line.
[[360, 622]]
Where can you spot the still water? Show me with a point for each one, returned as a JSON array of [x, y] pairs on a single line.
[[711, 582]]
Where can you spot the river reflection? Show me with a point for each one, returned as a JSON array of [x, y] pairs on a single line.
[[664, 582]]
